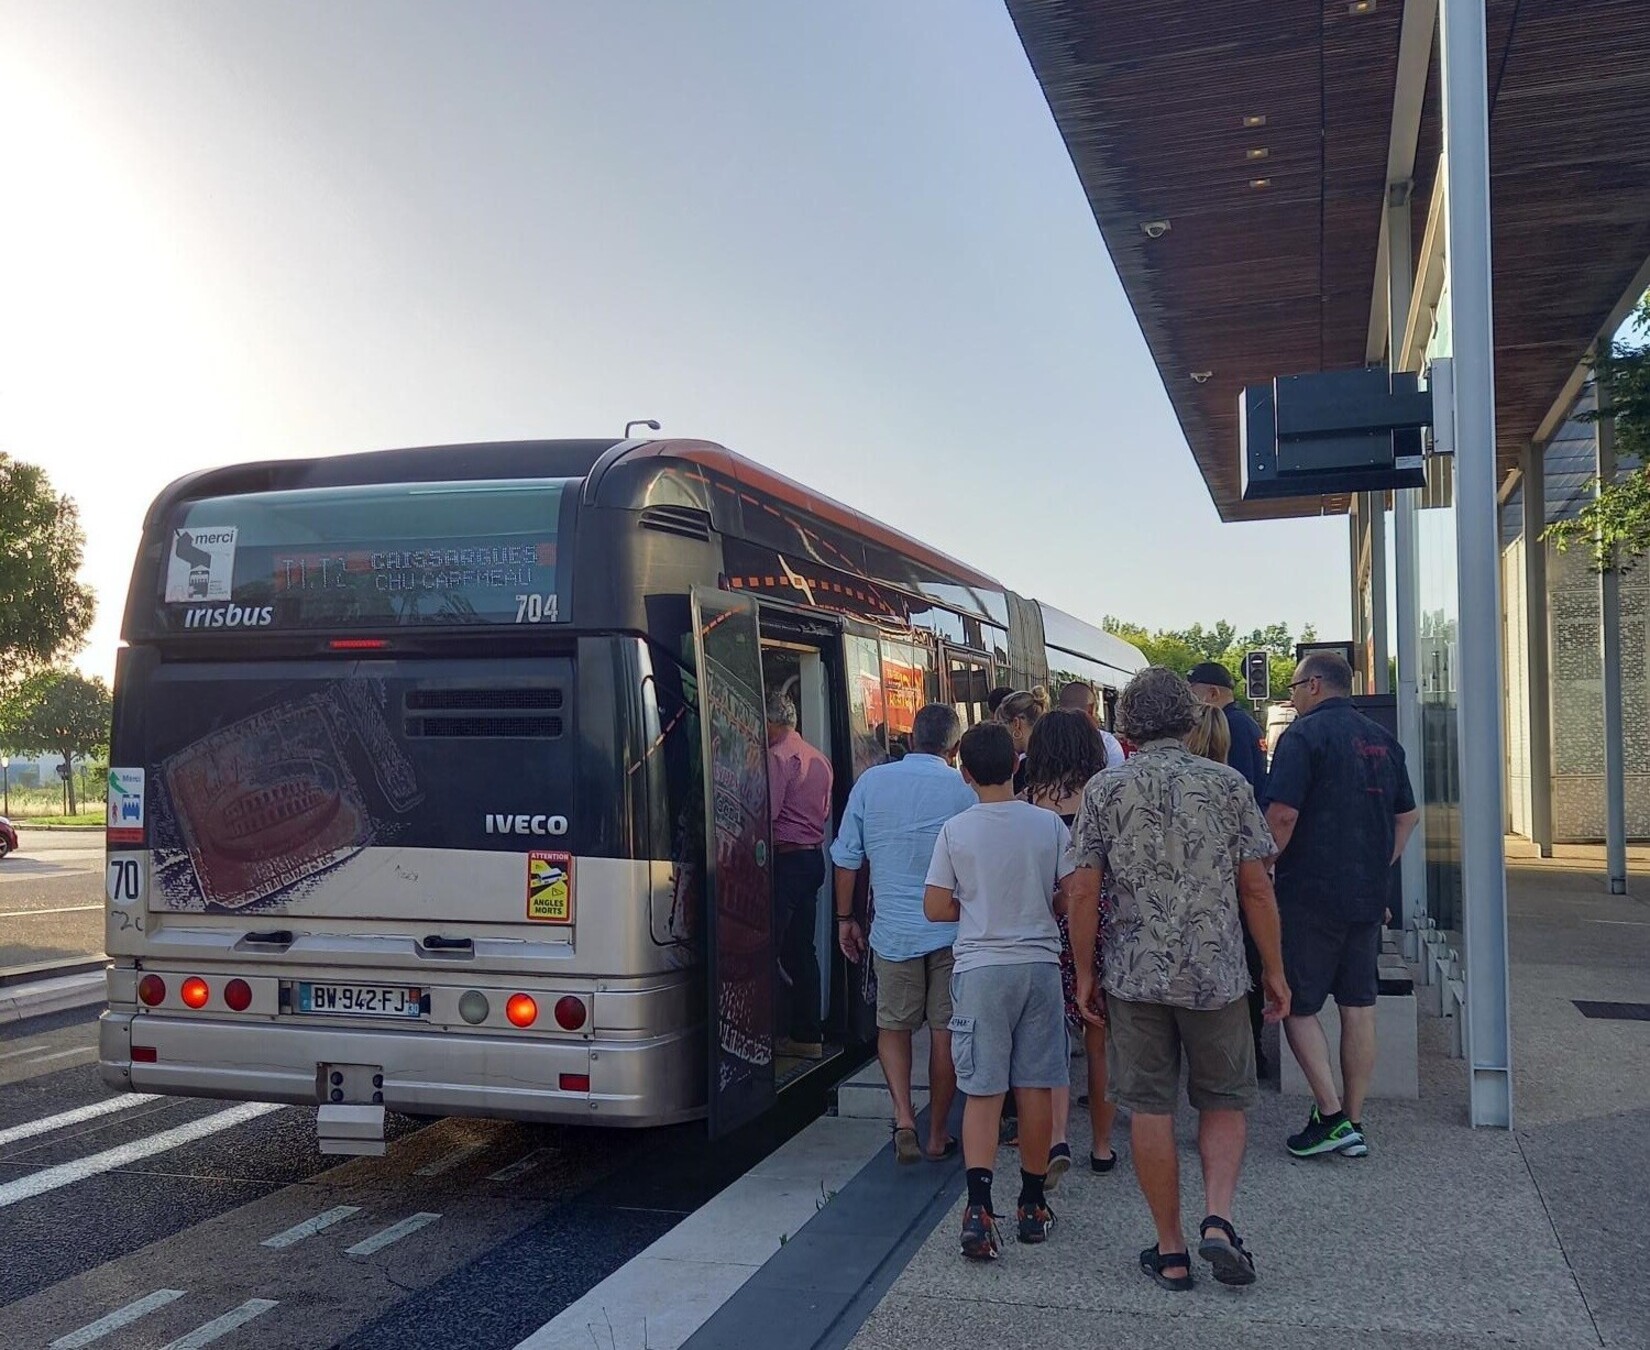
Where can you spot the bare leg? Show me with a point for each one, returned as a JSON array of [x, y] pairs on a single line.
[[1158, 1169], [1059, 1115], [1311, 1049], [981, 1118], [1221, 1136], [942, 1089], [894, 1050], [1101, 1112], [1036, 1124], [1357, 1056]]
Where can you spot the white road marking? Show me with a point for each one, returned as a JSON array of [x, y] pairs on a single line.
[[449, 1161], [520, 1167], [1620, 923], [96, 1331], [65, 1054], [220, 1327], [60, 909], [394, 1233], [46, 1124], [66, 1174], [309, 1227]]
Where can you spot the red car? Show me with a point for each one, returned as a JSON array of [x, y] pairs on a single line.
[[8, 837]]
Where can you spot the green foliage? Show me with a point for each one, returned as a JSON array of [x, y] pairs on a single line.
[[58, 711], [1181, 649], [44, 610], [1615, 525]]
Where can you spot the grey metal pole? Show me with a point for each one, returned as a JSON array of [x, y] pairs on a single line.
[[1377, 591], [1609, 590], [1478, 563], [1406, 565], [1538, 665], [1354, 527]]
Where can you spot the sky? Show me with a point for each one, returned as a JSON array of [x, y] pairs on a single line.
[[842, 239]]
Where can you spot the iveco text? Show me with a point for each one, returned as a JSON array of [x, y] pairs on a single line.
[[526, 824]]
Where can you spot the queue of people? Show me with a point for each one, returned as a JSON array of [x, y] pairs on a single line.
[[1055, 887]]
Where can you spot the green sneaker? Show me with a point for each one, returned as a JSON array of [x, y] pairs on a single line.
[[1322, 1136]]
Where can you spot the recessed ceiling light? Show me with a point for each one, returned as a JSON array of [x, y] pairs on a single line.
[[1154, 229], [1255, 120], [1361, 7], [1201, 376], [1260, 182], [1256, 152]]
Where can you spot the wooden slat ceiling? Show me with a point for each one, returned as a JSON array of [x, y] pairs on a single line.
[[1252, 282]]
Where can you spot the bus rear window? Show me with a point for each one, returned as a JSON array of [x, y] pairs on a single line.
[[380, 556]]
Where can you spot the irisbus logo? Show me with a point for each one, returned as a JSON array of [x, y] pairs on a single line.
[[229, 616]]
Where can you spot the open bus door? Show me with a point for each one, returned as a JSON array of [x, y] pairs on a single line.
[[738, 901]]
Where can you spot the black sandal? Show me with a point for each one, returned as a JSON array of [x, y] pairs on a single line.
[[1156, 1264], [1232, 1262], [1102, 1165]]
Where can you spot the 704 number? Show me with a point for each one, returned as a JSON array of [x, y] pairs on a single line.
[[535, 609]]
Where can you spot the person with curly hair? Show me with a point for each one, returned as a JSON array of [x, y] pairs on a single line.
[[1064, 752]]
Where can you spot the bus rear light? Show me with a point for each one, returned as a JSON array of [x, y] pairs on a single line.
[[238, 995], [358, 644], [575, 1082], [569, 1012], [152, 990], [144, 1054], [521, 1010], [194, 992], [474, 1008]]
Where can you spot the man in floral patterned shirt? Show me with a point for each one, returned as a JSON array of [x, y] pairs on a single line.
[[1181, 847]]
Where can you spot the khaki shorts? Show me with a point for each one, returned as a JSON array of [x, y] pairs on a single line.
[[1143, 1047], [912, 992]]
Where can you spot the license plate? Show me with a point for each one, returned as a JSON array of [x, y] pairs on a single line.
[[360, 1000]]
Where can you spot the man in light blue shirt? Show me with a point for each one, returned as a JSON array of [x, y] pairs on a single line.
[[894, 814]]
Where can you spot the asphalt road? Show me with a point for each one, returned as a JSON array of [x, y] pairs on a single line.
[[133, 1222], [51, 897]]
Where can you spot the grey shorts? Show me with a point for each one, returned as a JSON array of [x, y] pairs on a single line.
[[1008, 1028], [1144, 1046], [912, 992]]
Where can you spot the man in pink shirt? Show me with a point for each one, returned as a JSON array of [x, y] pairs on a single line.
[[799, 800]]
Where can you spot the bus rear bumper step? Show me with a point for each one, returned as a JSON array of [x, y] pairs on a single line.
[[357, 1130]]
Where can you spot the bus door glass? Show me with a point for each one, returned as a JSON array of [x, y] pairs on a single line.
[[970, 681], [739, 946]]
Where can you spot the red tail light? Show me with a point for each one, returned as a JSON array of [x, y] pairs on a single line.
[[152, 990], [144, 1054], [358, 644], [521, 1010], [575, 1082], [569, 1012], [194, 992], [238, 995]]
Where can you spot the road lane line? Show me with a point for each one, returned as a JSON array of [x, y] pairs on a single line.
[[450, 1161], [309, 1227], [64, 1054], [66, 1174], [61, 1121], [120, 1317], [220, 1327], [520, 1167], [394, 1233], [60, 909]]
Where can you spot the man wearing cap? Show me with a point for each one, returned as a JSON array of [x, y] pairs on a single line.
[[1212, 683]]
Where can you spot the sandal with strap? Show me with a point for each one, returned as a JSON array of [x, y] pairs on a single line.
[[1232, 1262], [1157, 1265], [906, 1147]]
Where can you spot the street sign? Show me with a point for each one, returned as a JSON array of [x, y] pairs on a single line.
[[1257, 675]]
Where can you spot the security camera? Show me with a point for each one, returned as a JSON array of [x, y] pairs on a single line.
[[1155, 229]]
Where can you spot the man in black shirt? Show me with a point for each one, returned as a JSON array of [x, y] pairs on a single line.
[[1341, 810]]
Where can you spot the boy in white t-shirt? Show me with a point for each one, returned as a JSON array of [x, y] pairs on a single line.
[[995, 871]]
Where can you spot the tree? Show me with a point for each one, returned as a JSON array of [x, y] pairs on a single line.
[[44, 610], [61, 712], [1615, 525], [1181, 649]]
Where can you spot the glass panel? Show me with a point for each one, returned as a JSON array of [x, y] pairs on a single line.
[[863, 661]]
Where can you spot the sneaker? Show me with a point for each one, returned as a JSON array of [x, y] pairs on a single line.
[[1059, 1163], [1320, 1137], [1035, 1222], [1359, 1148], [979, 1234]]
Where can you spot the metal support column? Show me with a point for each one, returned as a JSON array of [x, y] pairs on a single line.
[[1354, 530], [1376, 502], [1406, 503], [1538, 663], [1609, 594], [1478, 562]]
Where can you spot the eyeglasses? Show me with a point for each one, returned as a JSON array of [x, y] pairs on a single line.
[[1296, 684]]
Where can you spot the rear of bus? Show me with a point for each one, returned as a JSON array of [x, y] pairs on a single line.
[[386, 828]]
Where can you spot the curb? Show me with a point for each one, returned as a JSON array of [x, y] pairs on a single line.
[[40, 997], [44, 825]]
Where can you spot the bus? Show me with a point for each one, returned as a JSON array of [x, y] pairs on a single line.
[[439, 782]]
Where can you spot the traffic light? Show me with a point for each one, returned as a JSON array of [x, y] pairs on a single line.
[[1257, 676]]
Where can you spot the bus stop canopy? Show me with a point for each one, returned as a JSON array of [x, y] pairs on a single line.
[[1269, 139]]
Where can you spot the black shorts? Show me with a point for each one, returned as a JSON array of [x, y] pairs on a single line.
[[1324, 955]]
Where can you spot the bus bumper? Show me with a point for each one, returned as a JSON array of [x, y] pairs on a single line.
[[657, 1081]]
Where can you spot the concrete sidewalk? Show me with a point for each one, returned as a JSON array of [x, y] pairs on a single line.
[[1444, 1236]]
